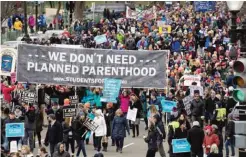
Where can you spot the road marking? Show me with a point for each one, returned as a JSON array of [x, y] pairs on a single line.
[[41, 141], [128, 145]]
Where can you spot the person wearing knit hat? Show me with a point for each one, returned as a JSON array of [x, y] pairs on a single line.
[[210, 138]]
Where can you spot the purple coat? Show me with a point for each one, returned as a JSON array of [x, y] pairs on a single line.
[[31, 21]]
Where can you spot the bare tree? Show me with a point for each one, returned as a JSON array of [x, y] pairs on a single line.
[[79, 9], [8, 8], [57, 13]]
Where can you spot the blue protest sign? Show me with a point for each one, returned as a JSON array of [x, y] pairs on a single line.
[[15, 130], [111, 90], [204, 6], [100, 39], [167, 106], [180, 145], [226, 40]]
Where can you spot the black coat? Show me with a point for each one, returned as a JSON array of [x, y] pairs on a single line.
[[210, 104], [195, 138], [39, 121], [229, 129], [54, 133], [137, 105]]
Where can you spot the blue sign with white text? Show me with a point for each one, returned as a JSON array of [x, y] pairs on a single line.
[[180, 145], [15, 130], [167, 106], [204, 6], [111, 90]]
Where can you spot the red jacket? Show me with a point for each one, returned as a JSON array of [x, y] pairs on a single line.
[[209, 140], [7, 93]]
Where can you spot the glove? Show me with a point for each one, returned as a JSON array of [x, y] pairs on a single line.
[[202, 117]]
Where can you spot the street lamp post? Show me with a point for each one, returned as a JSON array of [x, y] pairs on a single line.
[[239, 68], [36, 15], [26, 36]]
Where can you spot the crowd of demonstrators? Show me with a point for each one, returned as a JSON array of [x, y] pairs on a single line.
[[197, 47]]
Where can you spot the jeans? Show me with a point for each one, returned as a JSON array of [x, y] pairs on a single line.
[[151, 153], [119, 142], [196, 154], [71, 142], [98, 143], [81, 147], [29, 134], [227, 144], [161, 150], [52, 149]]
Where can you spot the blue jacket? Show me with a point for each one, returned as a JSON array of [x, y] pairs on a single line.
[[10, 23], [157, 103], [175, 46], [119, 127]]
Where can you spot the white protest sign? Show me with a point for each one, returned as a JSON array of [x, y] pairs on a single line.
[[132, 114], [133, 30], [13, 146], [187, 103], [189, 79], [193, 88]]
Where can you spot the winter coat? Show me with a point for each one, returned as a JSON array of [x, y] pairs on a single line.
[[130, 44], [119, 127], [31, 21], [151, 139], [109, 116], [197, 108], [18, 25], [10, 23], [210, 104], [175, 47], [102, 128], [124, 103], [30, 119], [7, 93], [138, 106], [195, 138], [229, 130], [209, 140], [54, 133], [39, 121]]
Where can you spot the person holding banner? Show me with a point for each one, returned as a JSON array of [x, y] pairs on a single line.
[[11, 119], [119, 128], [180, 133]]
